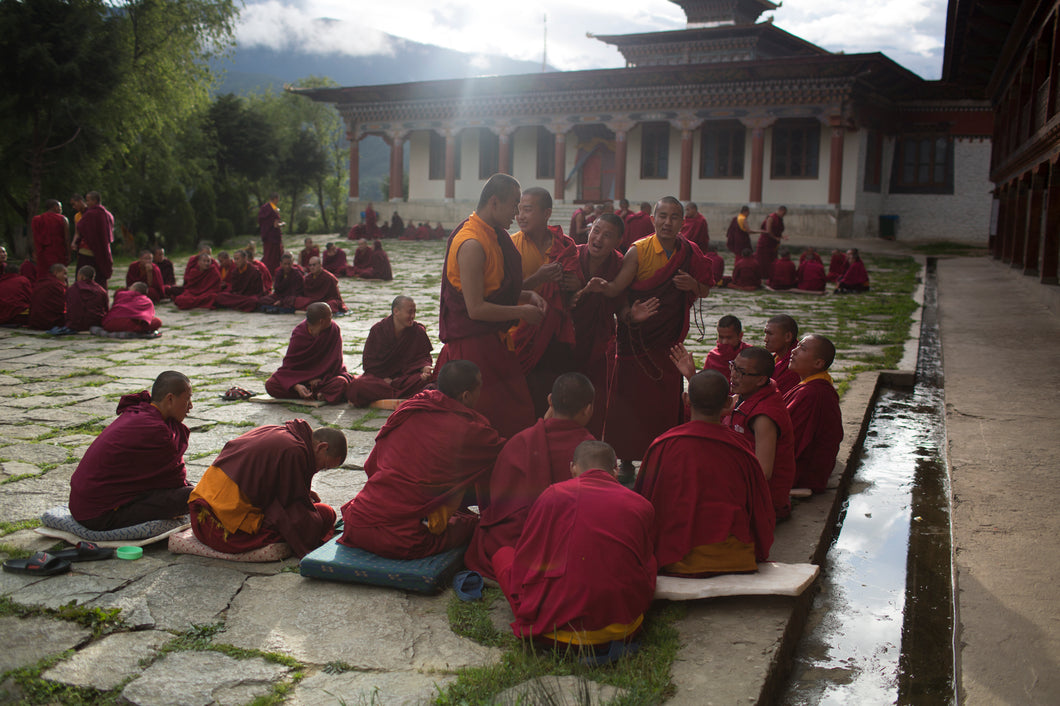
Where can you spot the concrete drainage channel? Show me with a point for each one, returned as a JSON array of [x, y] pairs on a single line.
[[881, 627]]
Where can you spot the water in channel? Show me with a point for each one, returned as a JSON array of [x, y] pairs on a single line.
[[881, 628]]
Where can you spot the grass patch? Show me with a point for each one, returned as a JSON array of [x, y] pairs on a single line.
[[7, 528], [92, 427], [949, 248], [20, 476], [645, 675], [471, 619], [102, 621], [369, 415], [34, 690]]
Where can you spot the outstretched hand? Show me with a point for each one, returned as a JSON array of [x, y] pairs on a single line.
[[643, 310], [682, 360]]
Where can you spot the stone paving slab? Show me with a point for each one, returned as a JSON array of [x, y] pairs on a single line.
[[105, 664], [377, 688], [27, 640], [35, 454], [203, 678], [35, 495], [65, 589]]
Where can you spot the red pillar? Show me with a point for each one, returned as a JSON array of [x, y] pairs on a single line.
[[504, 161], [560, 183], [1034, 220], [450, 165], [835, 168], [758, 154], [1051, 248], [355, 164], [685, 188]]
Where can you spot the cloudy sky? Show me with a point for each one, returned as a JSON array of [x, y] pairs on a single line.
[[909, 31]]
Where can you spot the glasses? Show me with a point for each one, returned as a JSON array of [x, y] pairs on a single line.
[[743, 372]]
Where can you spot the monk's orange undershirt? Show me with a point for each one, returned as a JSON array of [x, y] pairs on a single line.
[[229, 505], [741, 221], [533, 258], [650, 257], [728, 556], [614, 631], [478, 230], [823, 375]]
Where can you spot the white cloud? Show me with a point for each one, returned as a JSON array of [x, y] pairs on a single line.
[[285, 26]]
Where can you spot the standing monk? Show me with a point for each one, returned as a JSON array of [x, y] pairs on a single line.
[[531, 461], [771, 234], [738, 237], [396, 360], [270, 227], [371, 218], [780, 338], [51, 237], [431, 460], [145, 270], [816, 419], [313, 368], [258, 490], [86, 302], [95, 233], [646, 398], [482, 297], [695, 227], [47, 304]]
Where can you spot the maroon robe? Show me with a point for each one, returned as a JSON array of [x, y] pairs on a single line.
[[746, 274], [47, 304], [811, 276], [439, 233], [579, 236], [431, 453], [423, 232], [131, 311], [15, 294], [241, 289], [646, 396], [362, 259], [736, 238], [531, 461], [706, 485], [856, 277], [86, 305], [271, 235], [320, 287], [306, 254], [137, 452], [169, 278], [717, 264], [155, 286], [695, 230], [312, 359], [266, 274], [335, 262], [785, 276], [768, 243], [585, 559], [371, 219], [784, 378], [720, 357], [201, 288], [274, 467], [837, 265], [96, 232], [286, 283], [28, 270], [388, 355], [638, 225], [378, 266], [49, 241], [768, 401], [594, 335], [817, 424]]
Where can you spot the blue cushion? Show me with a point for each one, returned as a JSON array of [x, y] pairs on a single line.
[[337, 562], [60, 518]]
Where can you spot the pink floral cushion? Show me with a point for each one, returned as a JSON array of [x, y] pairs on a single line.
[[185, 542]]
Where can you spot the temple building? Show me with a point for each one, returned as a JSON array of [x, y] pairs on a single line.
[[729, 111]]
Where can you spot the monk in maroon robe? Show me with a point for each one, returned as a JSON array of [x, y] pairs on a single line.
[[809, 253], [837, 265], [816, 419], [812, 277], [202, 284], [243, 287], [317, 286], [532, 460], [713, 512], [371, 220], [95, 233], [270, 227], [439, 233], [785, 276], [51, 237], [583, 572], [165, 266], [28, 270], [313, 368], [15, 293], [579, 229], [760, 414], [646, 397], [431, 460], [288, 282], [695, 227], [769, 241], [856, 277], [717, 264], [334, 261], [397, 358], [781, 335], [482, 297], [266, 273], [738, 236], [134, 470], [423, 232], [258, 491], [132, 311], [638, 225], [86, 302], [47, 304], [310, 250], [362, 258], [729, 345], [145, 270], [746, 275], [378, 265]]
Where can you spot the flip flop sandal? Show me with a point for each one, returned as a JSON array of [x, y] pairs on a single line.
[[40, 564], [85, 551], [236, 393]]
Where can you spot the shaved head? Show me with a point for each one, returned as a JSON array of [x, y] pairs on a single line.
[[730, 321], [761, 360], [87, 272], [399, 302], [786, 323], [169, 383], [317, 312], [708, 392], [821, 348], [593, 454], [571, 393], [457, 377], [335, 440], [140, 287]]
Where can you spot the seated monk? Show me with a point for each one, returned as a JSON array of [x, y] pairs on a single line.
[[729, 344], [423, 232], [16, 291], [313, 368], [837, 265], [225, 263], [378, 265], [816, 420], [310, 250], [134, 471], [165, 266], [132, 311], [396, 360], [717, 264], [47, 304], [243, 286], [202, 284], [856, 277], [317, 286], [785, 276], [780, 336], [439, 232], [431, 460], [362, 258], [583, 572], [811, 275], [266, 274], [746, 275], [288, 281], [531, 461], [713, 512], [809, 253], [145, 270], [258, 490], [334, 261], [86, 301]]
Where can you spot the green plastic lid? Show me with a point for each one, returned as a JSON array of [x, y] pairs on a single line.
[[130, 553]]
